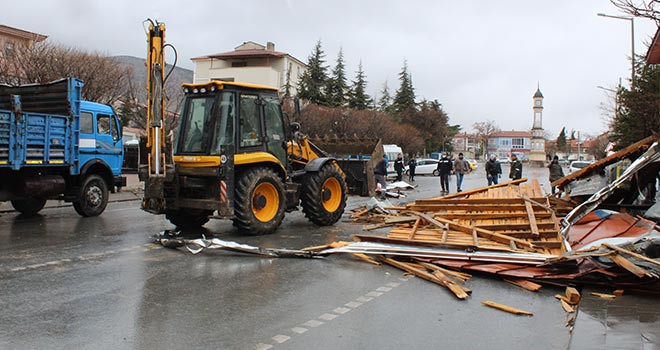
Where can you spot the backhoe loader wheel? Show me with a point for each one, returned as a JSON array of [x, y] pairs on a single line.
[[324, 195], [188, 218], [259, 202]]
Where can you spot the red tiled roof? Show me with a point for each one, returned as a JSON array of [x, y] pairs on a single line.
[[512, 134], [242, 54], [653, 55]]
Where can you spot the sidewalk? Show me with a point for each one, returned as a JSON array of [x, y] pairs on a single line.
[[132, 192]]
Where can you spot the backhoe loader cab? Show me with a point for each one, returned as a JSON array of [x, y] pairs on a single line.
[[233, 157]]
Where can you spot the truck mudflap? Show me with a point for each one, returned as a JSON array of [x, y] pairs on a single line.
[[120, 181]]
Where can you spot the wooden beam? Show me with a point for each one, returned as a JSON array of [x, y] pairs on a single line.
[[506, 308], [633, 254], [482, 189], [445, 282], [493, 236], [525, 284], [532, 219], [415, 227], [515, 200], [626, 264]]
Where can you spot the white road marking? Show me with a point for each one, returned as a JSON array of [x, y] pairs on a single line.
[[393, 284], [384, 289], [364, 299], [374, 294], [403, 279], [353, 304], [328, 317], [341, 310], [262, 346], [280, 338], [299, 330], [313, 323]]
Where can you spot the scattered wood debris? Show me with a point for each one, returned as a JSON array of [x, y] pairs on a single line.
[[604, 295]]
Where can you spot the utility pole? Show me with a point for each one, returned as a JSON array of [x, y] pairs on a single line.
[[632, 35]]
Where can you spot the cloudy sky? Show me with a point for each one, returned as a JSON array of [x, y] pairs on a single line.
[[480, 59]]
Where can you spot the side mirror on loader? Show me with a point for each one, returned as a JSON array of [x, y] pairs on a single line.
[[295, 127]]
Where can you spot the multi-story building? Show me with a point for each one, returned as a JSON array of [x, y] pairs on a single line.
[[466, 144], [11, 38], [251, 63], [504, 143]]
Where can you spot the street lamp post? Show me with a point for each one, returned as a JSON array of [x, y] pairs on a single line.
[[632, 35]]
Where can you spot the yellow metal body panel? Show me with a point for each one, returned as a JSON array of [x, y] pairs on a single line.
[[197, 161], [221, 85], [239, 159]]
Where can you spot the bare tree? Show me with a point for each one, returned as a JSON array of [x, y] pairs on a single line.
[[483, 132], [105, 79], [637, 8]]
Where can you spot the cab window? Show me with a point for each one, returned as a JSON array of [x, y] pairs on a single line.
[[250, 126], [103, 124], [224, 125], [196, 120], [86, 123], [114, 129]]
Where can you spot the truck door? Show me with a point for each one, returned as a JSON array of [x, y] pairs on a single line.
[[276, 140], [108, 141]]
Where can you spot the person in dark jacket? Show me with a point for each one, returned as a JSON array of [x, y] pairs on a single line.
[[380, 171], [493, 170], [461, 167], [412, 164], [398, 167], [516, 168], [445, 168], [556, 172]]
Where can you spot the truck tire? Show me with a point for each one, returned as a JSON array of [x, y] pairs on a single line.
[[188, 218], [324, 195], [93, 196], [28, 207], [259, 202]]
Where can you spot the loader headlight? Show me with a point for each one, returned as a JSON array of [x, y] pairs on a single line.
[[185, 91], [212, 88], [195, 90], [202, 90]]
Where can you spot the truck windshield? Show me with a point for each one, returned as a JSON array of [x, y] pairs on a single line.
[[196, 120], [224, 125]]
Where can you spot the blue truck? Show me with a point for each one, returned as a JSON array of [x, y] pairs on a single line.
[[53, 145]]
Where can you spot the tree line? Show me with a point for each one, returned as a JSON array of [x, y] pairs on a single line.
[[334, 105]]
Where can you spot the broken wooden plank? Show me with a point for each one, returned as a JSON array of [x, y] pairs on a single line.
[[604, 295], [618, 292], [458, 291], [366, 258], [506, 308], [400, 219], [428, 219], [481, 189], [628, 265], [525, 284], [415, 227], [572, 295], [454, 274], [561, 297], [631, 253], [494, 236], [567, 307]]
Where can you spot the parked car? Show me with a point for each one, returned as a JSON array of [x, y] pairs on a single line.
[[577, 165], [473, 164], [565, 163], [426, 167], [504, 160]]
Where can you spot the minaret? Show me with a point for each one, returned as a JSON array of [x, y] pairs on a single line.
[[537, 154]]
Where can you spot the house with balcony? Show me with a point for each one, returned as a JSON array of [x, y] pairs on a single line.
[[251, 62], [505, 143]]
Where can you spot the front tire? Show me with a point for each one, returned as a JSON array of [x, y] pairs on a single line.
[[259, 202], [188, 218], [324, 195], [93, 196], [28, 207], [436, 172]]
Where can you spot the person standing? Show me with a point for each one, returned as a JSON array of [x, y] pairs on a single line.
[[380, 171], [493, 170], [556, 172], [516, 168], [412, 164], [398, 167], [461, 167], [444, 169]]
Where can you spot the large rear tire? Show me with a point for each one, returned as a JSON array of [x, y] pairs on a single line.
[[259, 202], [28, 207], [93, 196], [324, 195], [188, 218]]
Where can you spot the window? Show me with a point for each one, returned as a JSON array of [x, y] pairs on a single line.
[[224, 125], [517, 143], [114, 128], [196, 120], [250, 126], [223, 79], [239, 64], [103, 124], [86, 123], [275, 128]]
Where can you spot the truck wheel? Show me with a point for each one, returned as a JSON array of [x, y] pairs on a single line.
[[29, 207], [324, 195], [188, 218], [259, 202], [93, 196]]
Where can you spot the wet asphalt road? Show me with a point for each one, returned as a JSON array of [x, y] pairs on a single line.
[[99, 283]]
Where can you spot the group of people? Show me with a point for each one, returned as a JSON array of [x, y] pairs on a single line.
[[448, 166]]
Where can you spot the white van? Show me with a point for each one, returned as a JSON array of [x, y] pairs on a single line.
[[391, 152]]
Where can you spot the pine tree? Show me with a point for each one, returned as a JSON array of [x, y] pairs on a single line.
[[359, 99], [404, 98], [337, 88], [561, 140], [313, 81], [385, 100], [572, 135], [287, 83]]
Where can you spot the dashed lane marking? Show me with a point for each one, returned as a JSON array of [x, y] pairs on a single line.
[[313, 323], [262, 346], [353, 304], [393, 284], [384, 289], [341, 310], [328, 317], [280, 338], [364, 299], [374, 294], [299, 330]]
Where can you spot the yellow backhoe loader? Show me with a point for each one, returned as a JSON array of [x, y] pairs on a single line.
[[235, 157]]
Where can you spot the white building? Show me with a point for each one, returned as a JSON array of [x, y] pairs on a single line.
[[251, 63]]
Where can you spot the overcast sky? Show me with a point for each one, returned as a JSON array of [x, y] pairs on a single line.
[[480, 59]]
